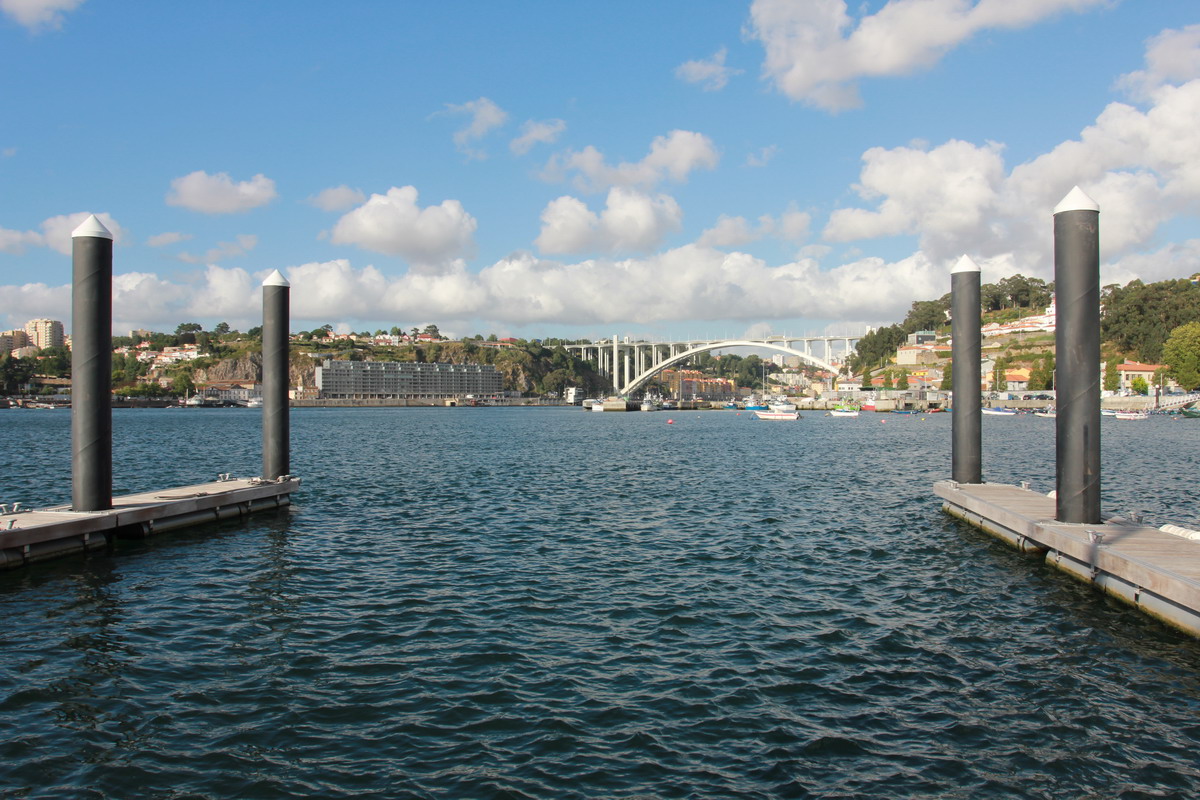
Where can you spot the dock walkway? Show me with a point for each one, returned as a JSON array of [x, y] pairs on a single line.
[[36, 535], [1155, 571]]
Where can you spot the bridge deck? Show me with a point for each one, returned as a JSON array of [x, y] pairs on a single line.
[[1155, 571]]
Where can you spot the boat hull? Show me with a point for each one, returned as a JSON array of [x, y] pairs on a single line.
[[777, 415]]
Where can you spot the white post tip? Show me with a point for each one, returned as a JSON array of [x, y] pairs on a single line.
[[964, 264], [92, 227], [1076, 200], [276, 279]]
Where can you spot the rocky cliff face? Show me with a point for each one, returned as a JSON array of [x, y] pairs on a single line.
[[248, 367]]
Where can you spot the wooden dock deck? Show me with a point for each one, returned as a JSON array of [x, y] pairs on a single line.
[[1155, 571], [27, 536]]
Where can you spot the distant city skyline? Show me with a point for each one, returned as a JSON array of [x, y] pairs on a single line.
[[673, 169]]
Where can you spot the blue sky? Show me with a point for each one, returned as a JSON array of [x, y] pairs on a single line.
[[567, 169]]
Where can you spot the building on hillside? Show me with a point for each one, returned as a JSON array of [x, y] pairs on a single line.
[[44, 332], [922, 337], [1132, 370], [12, 340], [909, 355], [367, 380], [138, 334], [1017, 380]]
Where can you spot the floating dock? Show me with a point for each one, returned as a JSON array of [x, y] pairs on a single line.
[[1152, 570], [27, 536]]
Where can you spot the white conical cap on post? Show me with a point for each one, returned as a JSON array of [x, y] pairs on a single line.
[[92, 227], [964, 264], [276, 279], [1076, 200]]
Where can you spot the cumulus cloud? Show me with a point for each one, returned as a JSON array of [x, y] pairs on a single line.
[[1138, 164], [485, 117], [218, 194], [39, 14], [337, 198], [1172, 56], [394, 224], [762, 156], [244, 244], [56, 233], [630, 222], [168, 238], [15, 242], [816, 51], [671, 157], [737, 231], [711, 72], [544, 132]]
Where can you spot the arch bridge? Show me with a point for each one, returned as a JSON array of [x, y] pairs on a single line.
[[631, 364]]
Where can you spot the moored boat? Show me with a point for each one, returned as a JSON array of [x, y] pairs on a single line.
[[843, 412], [1132, 415], [999, 412], [768, 414]]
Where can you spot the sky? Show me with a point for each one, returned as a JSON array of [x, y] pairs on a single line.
[[681, 168]]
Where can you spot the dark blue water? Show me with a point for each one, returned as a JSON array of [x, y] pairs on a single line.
[[548, 603]]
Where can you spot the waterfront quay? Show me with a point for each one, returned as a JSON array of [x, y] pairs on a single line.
[[1154, 570], [30, 535]]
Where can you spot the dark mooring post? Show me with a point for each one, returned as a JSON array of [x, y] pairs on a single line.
[[966, 427], [1077, 345], [276, 448], [91, 366]]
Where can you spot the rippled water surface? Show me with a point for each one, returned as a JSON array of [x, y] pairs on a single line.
[[547, 603]]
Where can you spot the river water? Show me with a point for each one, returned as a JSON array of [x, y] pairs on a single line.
[[547, 603]]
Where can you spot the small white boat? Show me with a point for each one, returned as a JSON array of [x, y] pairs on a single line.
[[649, 405], [1132, 415], [777, 414], [844, 412], [254, 402], [590, 403], [999, 412], [1108, 412], [1049, 412]]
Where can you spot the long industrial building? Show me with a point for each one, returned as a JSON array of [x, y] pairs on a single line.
[[366, 380]]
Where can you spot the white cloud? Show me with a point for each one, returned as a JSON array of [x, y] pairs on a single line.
[[1172, 56], [485, 117], [218, 194], [544, 132], [671, 157], [943, 194], [630, 222], [815, 50], [762, 156], [56, 231], [15, 242], [737, 231], [168, 238], [337, 198], [244, 243], [712, 72], [394, 224], [39, 14]]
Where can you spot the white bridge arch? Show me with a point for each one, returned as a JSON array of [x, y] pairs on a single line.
[[646, 359]]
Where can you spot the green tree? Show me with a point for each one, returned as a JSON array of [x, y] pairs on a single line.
[[1112, 378], [182, 384], [188, 327], [1181, 353], [1139, 385], [947, 378]]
